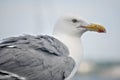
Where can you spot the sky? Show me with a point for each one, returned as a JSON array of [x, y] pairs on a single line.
[[35, 17]]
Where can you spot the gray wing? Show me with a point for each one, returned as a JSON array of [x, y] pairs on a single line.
[[36, 58]]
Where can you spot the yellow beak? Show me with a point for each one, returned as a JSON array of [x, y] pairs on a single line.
[[96, 27]]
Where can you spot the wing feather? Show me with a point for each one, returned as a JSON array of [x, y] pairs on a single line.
[[36, 57]]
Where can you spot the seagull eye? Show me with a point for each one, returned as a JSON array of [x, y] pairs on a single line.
[[74, 20]]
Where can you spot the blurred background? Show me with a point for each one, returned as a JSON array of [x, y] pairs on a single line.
[[101, 51]]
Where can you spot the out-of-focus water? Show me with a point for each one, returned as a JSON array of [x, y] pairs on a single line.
[[93, 77], [99, 71]]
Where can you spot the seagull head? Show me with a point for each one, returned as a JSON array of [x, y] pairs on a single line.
[[76, 26]]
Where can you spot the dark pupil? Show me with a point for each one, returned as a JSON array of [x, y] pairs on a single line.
[[74, 20]]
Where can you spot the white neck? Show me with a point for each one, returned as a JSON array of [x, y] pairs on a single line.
[[74, 45]]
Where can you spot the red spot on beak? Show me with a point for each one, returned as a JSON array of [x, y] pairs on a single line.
[[101, 31]]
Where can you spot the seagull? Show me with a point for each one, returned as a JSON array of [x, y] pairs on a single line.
[[45, 57]]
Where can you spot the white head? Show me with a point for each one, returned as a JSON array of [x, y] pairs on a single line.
[[74, 25]]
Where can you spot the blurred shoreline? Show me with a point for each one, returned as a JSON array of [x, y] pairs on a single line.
[[98, 71]]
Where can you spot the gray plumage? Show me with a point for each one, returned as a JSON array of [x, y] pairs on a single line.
[[35, 58]]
